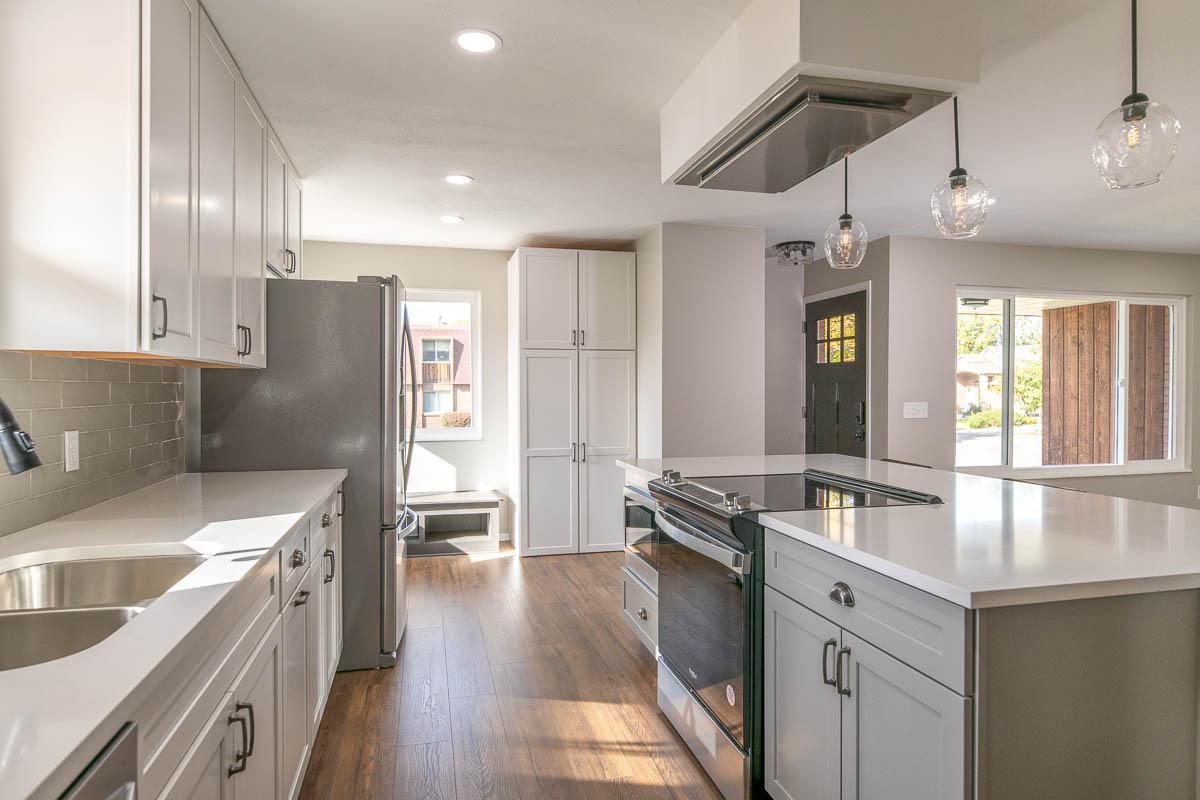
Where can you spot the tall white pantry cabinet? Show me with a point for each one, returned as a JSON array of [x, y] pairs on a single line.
[[572, 396], [145, 184]]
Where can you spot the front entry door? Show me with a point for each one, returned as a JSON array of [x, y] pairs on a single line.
[[835, 371]]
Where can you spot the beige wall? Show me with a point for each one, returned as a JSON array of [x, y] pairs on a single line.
[[445, 466], [819, 278], [130, 419], [783, 353], [700, 322], [921, 345]]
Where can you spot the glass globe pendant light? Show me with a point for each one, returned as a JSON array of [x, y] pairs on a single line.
[[1136, 142], [960, 203], [845, 239]]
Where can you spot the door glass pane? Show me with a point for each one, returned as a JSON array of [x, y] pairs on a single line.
[[979, 382], [849, 324], [822, 352], [822, 329], [1064, 378], [835, 352], [835, 327], [848, 350], [1148, 383]]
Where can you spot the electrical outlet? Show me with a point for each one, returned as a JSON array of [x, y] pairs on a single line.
[[71, 451], [916, 410]]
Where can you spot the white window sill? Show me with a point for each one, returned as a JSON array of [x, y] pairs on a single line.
[[1078, 471], [467, 435]]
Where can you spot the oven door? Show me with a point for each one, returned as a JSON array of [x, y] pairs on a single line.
[[702, 595], [641, 536]]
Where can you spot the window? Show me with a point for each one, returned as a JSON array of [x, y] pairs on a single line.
[[445, 330], [1050, 383], [435, 351], [836, 341]]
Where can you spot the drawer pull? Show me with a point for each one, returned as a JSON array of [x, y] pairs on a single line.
[[297, 558], [326, 520], [841, 594], [825, 650], [642, 615], [301, 598]]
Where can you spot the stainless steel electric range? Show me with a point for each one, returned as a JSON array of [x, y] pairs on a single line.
[[710, 597]]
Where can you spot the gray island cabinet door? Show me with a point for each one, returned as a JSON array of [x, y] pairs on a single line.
[[802, 713], [904, 736]]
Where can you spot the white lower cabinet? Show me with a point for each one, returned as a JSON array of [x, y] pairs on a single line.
[[843, 720], [256, 743], [296, 654]]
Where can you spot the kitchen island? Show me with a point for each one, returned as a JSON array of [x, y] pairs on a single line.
[[1014, 641]]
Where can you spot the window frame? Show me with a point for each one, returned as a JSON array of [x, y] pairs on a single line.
[[475, 299], [1180, 459], [434, 342]]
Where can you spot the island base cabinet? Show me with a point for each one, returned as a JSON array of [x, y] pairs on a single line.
[[904, 735], [844, 720]]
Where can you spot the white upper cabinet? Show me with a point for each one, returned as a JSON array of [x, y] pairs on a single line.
[[547, 283], [172, 136], [607, 309], [149, 235], [219, 338]]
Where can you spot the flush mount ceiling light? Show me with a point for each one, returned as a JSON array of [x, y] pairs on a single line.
[[795, 253], [1136, 142], [459, 179], [960, 203], [845, 239], [451, 219], [477, 41]]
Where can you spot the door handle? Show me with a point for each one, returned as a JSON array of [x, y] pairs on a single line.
[[843, 690], [862, 412], [290, 258], [153, 334], [240, 757], [825, 650], [249, 340]]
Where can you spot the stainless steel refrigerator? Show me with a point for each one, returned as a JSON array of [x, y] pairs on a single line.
[[339, 390]]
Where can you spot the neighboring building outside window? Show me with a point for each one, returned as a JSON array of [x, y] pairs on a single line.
[[445, 329], [1065, 384]]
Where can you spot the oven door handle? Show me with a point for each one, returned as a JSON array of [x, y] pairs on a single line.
[[639, 498], [695, 540]]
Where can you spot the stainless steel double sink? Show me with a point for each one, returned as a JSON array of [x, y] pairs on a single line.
[[52, 610]]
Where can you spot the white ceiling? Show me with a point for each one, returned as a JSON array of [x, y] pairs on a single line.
[[375, 104]]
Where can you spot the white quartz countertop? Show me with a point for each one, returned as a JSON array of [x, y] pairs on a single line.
[[993, 542], [55, 717]]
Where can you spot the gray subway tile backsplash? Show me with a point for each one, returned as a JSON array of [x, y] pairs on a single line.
[[130, 422]]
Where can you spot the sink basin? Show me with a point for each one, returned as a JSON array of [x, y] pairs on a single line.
[[33, 637], [92, 582]]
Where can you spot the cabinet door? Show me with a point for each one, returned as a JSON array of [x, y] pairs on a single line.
[[331, 602], [171, 107], [217, 314], [276, 208], [549, 521], [204, 772], [317, 644], [607, 419], [250, 205], [295, 687], [257, 693], [607, 300], [903, 734], [802, 714], [548, 282], [295, 218]]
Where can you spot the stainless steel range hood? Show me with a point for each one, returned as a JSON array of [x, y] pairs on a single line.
[[807, 125]]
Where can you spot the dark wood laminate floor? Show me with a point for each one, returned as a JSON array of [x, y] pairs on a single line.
[[517, 679]]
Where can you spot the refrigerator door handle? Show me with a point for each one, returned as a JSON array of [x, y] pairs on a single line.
[[412, 406]]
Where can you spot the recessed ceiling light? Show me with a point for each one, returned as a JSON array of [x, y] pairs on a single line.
[[451, 219], [477, 40], [459, 179]]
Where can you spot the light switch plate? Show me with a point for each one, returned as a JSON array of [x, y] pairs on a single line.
[[71, 451], [916, 410]]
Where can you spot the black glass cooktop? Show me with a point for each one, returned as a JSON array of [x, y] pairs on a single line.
[[811, 490]]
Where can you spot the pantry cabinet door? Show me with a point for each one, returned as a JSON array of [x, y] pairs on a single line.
[[549, 513], [607, 300], [170, 180], [607, 431], [250, 202], [903, 734], [548, 283], [218, 338]]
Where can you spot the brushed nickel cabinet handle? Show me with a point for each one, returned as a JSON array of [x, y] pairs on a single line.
[[842, 689], [841, 594], [153, 333], [825, 650], [642, 615], [301, 597]]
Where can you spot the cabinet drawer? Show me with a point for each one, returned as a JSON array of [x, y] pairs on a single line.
[[293, 559], [640, 608], [642, 570], [924, 631]]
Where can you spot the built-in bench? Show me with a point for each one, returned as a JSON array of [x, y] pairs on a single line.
[[456, 522]]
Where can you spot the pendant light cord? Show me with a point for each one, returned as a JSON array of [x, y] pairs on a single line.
[[846, 184], [957, 160], [1133, 49]]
